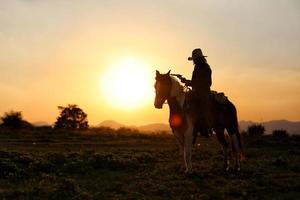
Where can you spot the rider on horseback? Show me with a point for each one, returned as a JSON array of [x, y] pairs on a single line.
[[200, 83]]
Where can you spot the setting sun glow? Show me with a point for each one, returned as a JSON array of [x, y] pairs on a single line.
[[127, 84], [102, 56]]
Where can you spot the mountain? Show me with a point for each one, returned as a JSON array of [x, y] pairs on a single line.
[[243, 125], [155, 127], [41, 123], [112, 124], [289, 126]]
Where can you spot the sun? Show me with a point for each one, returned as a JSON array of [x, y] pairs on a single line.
[[127, 84]]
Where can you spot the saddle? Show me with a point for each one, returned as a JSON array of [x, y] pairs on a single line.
[[217, 99], [218, 102]]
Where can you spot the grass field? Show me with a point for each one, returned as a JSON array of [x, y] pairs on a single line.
[[128, 165]]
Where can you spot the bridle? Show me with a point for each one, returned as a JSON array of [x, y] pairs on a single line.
[[186, 88]]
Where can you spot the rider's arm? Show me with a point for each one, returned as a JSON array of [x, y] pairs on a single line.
[[186, 82]]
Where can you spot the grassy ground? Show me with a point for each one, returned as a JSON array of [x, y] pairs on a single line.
[[125, 165]]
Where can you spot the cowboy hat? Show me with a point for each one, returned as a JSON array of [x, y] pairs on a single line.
[[197, 53]]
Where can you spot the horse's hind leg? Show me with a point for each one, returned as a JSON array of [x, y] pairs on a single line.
[[235, 147], [236, 150], [225, 144], [233, 130]]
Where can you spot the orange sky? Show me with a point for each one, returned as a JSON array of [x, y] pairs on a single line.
[[57, 52]]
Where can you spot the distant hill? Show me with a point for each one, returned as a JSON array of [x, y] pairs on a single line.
[[289, 126], [40, 123], [243, 125], [112, 124], [145, 128]]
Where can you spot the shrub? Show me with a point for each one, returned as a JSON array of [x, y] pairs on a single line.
[[256, 130], [14, 119], [280, 133]]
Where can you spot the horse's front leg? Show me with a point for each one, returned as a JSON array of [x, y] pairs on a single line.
[[188, 144], [180, 141], [181, 157]]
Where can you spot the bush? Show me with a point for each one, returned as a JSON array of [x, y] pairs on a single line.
[[14, 119], [280, 133], [256, 130]]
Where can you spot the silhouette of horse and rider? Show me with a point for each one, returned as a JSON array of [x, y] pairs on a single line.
[[198, 110]]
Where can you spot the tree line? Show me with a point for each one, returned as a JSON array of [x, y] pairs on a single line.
[[257, 130], [73, 117], [70, 117]]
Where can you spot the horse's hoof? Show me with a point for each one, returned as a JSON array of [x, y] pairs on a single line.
[[226, 169], [188, 172], [238, 169], [181, 169]]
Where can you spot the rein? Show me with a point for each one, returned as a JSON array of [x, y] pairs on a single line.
[[186, 88]]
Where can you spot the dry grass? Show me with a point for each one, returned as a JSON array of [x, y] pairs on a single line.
[[113, 165]]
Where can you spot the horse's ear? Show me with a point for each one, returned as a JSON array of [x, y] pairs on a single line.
[[169, 72], [157, 73]]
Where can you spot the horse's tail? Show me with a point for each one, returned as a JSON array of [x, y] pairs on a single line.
[[235, 129]]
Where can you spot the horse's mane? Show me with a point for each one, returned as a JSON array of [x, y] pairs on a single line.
[[177, 87]]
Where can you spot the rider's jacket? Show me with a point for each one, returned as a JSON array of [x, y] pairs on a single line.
[[201, 79]]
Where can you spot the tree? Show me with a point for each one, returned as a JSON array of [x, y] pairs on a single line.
[[71, 117], [256, 130], [14, 119]]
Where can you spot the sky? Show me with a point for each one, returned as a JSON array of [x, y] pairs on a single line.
[[70, 52]]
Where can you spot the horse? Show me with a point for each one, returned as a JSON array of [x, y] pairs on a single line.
[[183, 121]]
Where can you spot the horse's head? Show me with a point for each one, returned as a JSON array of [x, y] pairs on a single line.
[[163, 86]]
